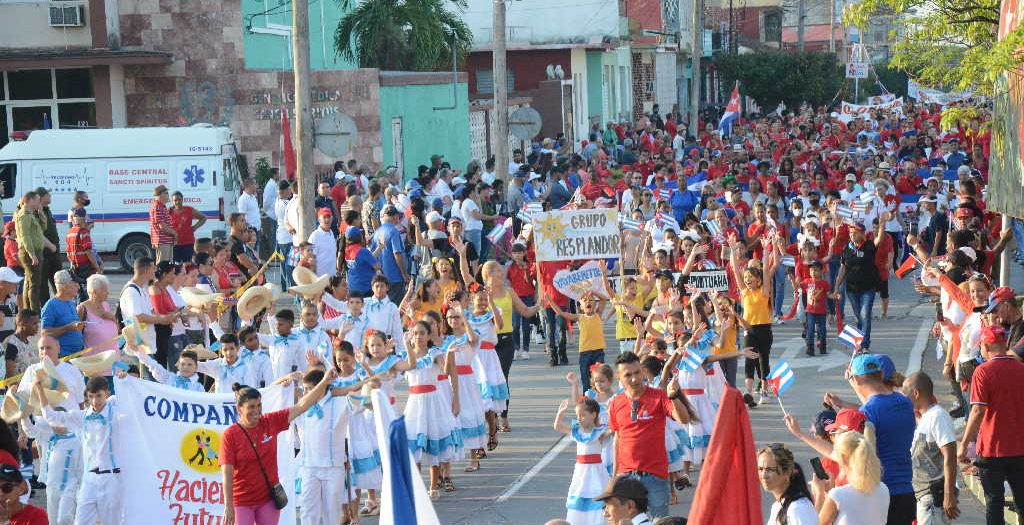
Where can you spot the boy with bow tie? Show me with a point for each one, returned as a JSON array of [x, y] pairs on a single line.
[[185, 379], [383, 314], [287, 353], [60, 452]]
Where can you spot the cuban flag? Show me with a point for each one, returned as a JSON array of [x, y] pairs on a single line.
[[692, 359], [499, 230], [404, 499], [789, 260], [697, 182], [908, 202], [664, 221], [844, 212], [851, 336], [629, 224], [664, 194], [781, 378], [715, 230], [732, 112]]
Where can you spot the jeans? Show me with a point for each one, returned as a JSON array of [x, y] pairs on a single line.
[[993, 473], [486, 249], [815, 327], [587, 359], [657, 493], [902, 509], [833, 272], [286, 267], [521, 326], [1018, 233], [475, 237], [729, 367], [779, 289], [862, 302], [555, 326]]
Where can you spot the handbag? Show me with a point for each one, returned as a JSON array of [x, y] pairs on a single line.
[[277, 492]]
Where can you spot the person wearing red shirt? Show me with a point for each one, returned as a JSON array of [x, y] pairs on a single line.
[[12, 510], [11, 247], [79, 249], [248, 453], [815, 291], [523, 277], [182, 218], [884, 261], [838, 237], [338, 195], [162, 236], [996, 422], [556, 325], [638, 417]]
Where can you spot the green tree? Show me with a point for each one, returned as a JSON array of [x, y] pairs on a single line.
[[402, 35], [947, 44], [770, 77]]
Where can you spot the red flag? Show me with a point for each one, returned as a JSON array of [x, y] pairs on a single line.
[[839, 317], [907, 266], [729, 491], [289, 150]]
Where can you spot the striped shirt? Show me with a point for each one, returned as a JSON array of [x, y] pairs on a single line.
[[79, 246], [159, 214]]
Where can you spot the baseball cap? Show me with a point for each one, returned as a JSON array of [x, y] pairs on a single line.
[[969, 252], [454, 219], [964, 211], [437, 203], [458, 180], [848, 420], [63, 277], [433, 217], [8, 275], [664, 273], [412, 184], [866, 364], [999, 296], [823, 420], [352, 232], [851, 177], [993, 334], [324, 212], [858, 226], [12, 474], [624, 487], [888, 366]]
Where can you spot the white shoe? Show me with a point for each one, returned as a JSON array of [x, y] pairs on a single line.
[[518, 354], [538, 339], [525, 355]]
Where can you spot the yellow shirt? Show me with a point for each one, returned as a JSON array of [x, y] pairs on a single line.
[[756, 309], [504, 303], [728, 341], [591, 333], [449, 287], [624, 328]]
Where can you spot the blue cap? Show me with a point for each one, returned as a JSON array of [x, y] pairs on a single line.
[[437, 203], [412, 185], [416, 193], [888, 367], [460, 192], [352, 232], [866, 364]]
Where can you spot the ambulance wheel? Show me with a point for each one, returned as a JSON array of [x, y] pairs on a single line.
[[132, 247]]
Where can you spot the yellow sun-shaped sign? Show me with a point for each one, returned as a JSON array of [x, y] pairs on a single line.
[[549, 228]]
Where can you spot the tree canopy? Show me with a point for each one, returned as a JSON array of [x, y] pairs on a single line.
[[770, 77]]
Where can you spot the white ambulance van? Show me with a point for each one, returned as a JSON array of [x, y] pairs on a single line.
[[119, 168]]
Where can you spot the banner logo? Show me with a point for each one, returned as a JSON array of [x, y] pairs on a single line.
[[199, 450]]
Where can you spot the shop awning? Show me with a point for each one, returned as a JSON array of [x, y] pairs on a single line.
[[41, 58]]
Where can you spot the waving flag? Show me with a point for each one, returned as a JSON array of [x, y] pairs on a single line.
[[732, 112], [844, 212], [404, 498], [697, 182], [781, 378], [664, 221], [499, 230], [715, 230], [789, 260], [851, 336], [692, 359], [907, 266], [664, 194], [627, 223], [290, 163]]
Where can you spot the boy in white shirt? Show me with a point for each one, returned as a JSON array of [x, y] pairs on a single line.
[[325, 244], [354, 323], [229, 369], [60, 453], [286, 351], [383, 314], [312, 336], [257, 360], [99, 498], [186, 378]]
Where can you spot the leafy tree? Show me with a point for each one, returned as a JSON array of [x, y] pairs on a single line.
[[947, 44], [403, 35], [770, 77]]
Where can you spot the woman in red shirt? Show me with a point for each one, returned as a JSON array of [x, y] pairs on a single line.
[[163, 304], [248, 452], [522, 276], [181, 221]]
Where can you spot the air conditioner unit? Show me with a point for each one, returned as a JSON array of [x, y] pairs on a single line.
[[67, 16]]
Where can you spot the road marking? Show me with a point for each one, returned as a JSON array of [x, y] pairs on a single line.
[[917, 354], [535, 469]]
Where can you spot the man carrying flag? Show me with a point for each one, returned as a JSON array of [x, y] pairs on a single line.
[[732, 112], [851, 337]]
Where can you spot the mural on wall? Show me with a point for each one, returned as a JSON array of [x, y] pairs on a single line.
[[207, 102], [1006, 171]]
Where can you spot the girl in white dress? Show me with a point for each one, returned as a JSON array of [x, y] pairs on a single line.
[[589, 476], [484, 320], [602, 382], [434, 436], [463, 343]]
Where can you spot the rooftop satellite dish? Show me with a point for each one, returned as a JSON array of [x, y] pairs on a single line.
[[524, 123], [334, 135]]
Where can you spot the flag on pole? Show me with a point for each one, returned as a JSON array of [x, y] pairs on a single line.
[[290, 164], [851, 336], [907, 266], [664, 194], [499, 230], [732, 112], [692, 359], [781, 378], [789, 260], [404, 499], [844, 212], [629, 224], [46, 121], [697, 182], [664, 221], [715, 230]]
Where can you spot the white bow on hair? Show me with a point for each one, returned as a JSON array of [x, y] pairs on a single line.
[[800, 238]]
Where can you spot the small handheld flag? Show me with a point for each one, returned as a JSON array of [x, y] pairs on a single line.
[[715, 230], [665, 221], [907, 266], [844, 212], [664, 194], [851, 336], [692, 359], [781, 378], [627, 223], [499, 231]]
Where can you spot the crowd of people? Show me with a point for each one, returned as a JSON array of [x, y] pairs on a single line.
[[433, 280]]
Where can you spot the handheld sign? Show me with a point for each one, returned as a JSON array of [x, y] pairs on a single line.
[[709, 280], [587, 278], [567, 235]]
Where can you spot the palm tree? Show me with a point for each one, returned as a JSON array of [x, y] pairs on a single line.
[[403, 35]]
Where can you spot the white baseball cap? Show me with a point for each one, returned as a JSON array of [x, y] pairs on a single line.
[[8, 275]]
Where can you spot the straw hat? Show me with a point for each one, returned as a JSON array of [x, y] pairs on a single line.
[[302, 275], [96, 363], [275, 290], [202, 352], [254, 299], [197, 297], [132, 335], [13, 408], [56, 391], [313, 289]]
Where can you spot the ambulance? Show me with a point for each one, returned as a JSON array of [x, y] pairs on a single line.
[[119, 169]]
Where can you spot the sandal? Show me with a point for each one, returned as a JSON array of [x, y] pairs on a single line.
[[682, 482], [478, 453], [434, 494], [369, 509], [448, 485], [503, 425], [492, 441], [473, 466]]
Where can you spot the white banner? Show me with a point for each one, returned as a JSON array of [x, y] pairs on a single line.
[[577, 235], [882, 99], [710, 280], [848, 111], [933, 96], [172, 441], [587, 278]]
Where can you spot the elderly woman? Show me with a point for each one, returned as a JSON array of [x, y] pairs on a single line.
[[59, 317], [100, 331]]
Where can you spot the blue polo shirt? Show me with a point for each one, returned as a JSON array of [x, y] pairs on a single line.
[[387, 235], [360, 270], [57, 313], [893, 417]]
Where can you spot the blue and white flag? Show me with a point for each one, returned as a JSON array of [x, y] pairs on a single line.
[[692, 359], [844, 212], [664, 194], [404, 499], [781, 378], [851, 336], [715, 230], [732, 112], [665, 221], [499, 230], [697, 182], [628, 223]]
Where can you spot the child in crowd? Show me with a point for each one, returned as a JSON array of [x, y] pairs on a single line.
[[228, 369], [383, 314], [257, 359], [484, 320], [60, 451], [186, 378], [589, 477], [592, 342], [815, 290], [522, 275]]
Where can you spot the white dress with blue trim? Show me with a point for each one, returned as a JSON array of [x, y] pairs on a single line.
[[493, 386], [694, 385], [471, 417], [588, 478], [434, 434], [364, 456], [608, 451]]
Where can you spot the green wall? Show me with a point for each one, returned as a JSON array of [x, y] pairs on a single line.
[[273, 51], [426, 131], [594, 87]]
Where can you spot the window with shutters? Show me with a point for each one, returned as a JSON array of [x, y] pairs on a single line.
[[485, 81]]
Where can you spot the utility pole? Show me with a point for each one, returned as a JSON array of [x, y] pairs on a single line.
[[304, 175], [832, 26], [499, 124], [698, 50], [800, 25]]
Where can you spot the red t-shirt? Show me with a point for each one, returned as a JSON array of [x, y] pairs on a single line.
[[547, 286], [181, 221], [882, 255], [7, 459], [810, 287], [641, 443], [996, 384], [249, 487], [522, 279], [30, 515], [338, 195], [11, 253]]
